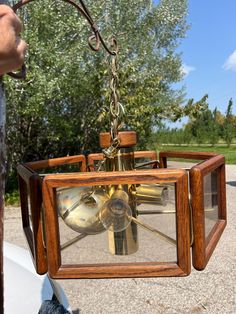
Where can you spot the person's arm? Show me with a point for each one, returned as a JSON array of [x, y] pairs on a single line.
[[12, 47], [12, 50]]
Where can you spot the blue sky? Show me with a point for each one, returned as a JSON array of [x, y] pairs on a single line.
[[209, 52]]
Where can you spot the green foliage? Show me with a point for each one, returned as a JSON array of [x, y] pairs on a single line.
[[228, 125], [12, 198], [204, 127], [63, 104], [169, 136], [214, 134], [192, 109]]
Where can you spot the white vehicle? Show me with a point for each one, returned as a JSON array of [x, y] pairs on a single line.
[[24, 290]]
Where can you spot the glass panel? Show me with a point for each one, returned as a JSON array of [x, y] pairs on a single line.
[[144, 163], [117, 224], [97, 164], [210, 201], [178, 163], [29, 209], [66, 168]]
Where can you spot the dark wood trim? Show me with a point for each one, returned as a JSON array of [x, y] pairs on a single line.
[[210, 165], [213, 239], [187, 155], [52, 229], [57, 270], [183, 224], [36, 204], [103, 178], [48, 163], [23, 189], [137, 270], [126, 138], [30, 186], [197, 201], [204, 247], [152, 155], [183, 155]]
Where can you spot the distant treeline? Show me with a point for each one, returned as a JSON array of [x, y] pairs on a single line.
[[209, 127]]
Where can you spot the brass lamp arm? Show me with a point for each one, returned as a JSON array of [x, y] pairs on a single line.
[[85, 13], [72, 241], [153, 230]]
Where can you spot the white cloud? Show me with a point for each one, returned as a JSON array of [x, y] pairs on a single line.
[[186, 69], [230, 63]]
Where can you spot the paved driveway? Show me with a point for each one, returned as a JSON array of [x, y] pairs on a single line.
[[210, 291]]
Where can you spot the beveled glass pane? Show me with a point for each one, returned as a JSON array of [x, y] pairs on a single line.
[[150, 235], [211, 206]]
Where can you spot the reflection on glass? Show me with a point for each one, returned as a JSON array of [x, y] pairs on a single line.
[[160, 212], [79, 207], [144, 163], [154, 218], [210, 201], [29, 210], [151, 194], [116, 211]]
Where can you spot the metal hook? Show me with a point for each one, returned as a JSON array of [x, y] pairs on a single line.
[[85, 13]]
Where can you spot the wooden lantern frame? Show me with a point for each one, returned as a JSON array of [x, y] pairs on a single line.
[[203, 247], [30, 187], [32, 194], [58, 270]]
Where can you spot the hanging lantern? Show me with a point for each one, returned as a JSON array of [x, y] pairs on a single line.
[[173, 209], [140, 216]]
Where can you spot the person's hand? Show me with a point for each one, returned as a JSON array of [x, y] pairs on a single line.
[[12, 47]]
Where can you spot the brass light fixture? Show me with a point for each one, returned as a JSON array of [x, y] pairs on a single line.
[[140, 216]]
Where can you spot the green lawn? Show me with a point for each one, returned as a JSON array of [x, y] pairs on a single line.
[[228, 152]]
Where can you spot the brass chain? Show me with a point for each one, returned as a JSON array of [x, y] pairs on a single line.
[[116, 109]]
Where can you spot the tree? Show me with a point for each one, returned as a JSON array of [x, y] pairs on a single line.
[[63, 104], [214, 127], [228, 126], [204, 127]]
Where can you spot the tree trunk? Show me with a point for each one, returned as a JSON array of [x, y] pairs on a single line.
[[2, 177]]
